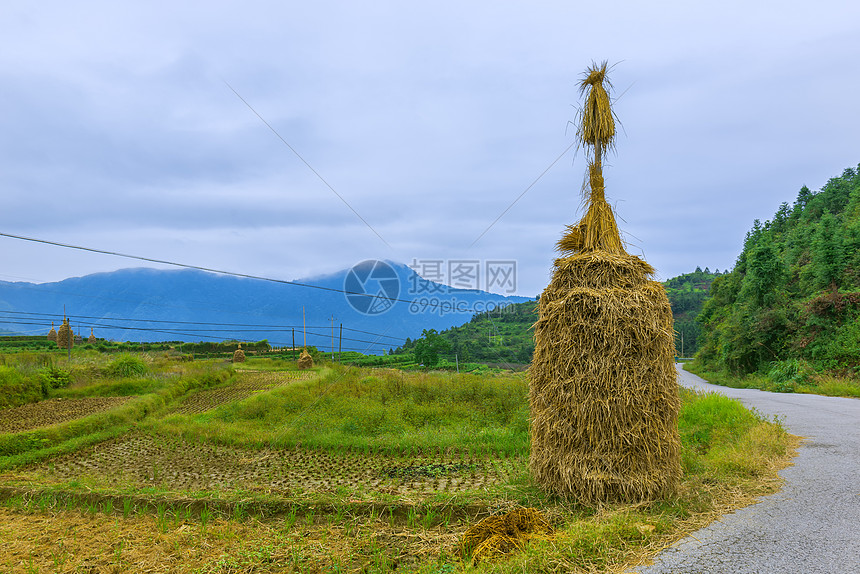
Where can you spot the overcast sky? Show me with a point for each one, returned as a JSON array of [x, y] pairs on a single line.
[[119, 129]]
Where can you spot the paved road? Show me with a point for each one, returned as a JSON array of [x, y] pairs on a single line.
[[813, 524]]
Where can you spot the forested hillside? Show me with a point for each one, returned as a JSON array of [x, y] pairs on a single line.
[[499, 337], [793, 298], [687, 294], [505, 337]]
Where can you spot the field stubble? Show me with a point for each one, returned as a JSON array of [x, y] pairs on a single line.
[[154, 500], [54, 411], [142, 460]]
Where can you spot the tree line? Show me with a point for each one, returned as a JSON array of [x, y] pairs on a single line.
[[794, 292]]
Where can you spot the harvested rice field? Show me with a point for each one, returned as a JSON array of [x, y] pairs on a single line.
[[333, 469], [139, 460], [53, 411], [249, 383]]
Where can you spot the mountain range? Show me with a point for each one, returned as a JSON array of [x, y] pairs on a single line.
[[379, 303]]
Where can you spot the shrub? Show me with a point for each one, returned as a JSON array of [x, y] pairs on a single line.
[[126, 366], [17, 388], [786, 374], [54, 378]]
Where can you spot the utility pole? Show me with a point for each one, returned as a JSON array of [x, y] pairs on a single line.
[[340, 345], [294, 343], [332, 338]]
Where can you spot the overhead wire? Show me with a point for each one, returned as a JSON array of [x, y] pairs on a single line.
[[426, 302]]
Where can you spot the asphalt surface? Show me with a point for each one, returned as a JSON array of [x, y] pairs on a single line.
[[813, 524]]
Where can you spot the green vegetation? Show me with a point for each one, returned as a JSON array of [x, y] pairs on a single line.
[[787, 315], [356, 409], [504, 337], [500, 338], [687, 294], [25, 383]]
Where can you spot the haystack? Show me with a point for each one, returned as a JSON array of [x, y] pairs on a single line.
[[65, 338], [305, 360], [603, 391], [495, 536], [92, 338], [52, 334], [239, 355]]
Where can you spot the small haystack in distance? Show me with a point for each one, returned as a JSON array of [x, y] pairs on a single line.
[[65, 338], [495, 536], [92, 338], [52, 334], [305, 360], [239, 355], [602, 391]]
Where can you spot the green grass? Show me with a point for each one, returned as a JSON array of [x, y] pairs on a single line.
[[790, 376], [381, 410]]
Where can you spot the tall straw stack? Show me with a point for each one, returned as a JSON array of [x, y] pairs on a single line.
[[603, 391], [239, 355], [92, 338], [65, 338], [52, 334]]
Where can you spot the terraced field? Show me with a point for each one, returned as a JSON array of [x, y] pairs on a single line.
[[53, 411], [141, 460], [189, 478], [249, 383]]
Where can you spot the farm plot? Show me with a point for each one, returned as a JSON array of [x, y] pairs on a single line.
[[248, 383], [53, 411], [141, 460]]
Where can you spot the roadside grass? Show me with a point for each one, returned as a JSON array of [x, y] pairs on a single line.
[[784, 377], [730, 456]]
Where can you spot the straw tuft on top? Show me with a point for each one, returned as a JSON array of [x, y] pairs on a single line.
[[597, 120]]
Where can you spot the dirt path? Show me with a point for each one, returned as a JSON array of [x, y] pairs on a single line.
[[811, 525]]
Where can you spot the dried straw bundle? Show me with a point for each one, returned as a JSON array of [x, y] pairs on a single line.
[[239, 355], [305, 360], [65, 338], [597, 120], [603, 393], [495, 536], [92, 338], [52, 334], [597, 229]]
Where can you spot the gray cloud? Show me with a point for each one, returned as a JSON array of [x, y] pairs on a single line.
[[118, 132]]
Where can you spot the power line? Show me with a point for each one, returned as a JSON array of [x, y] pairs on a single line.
[[309, 166], [191, 332], [257, 327], [430, 303]]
